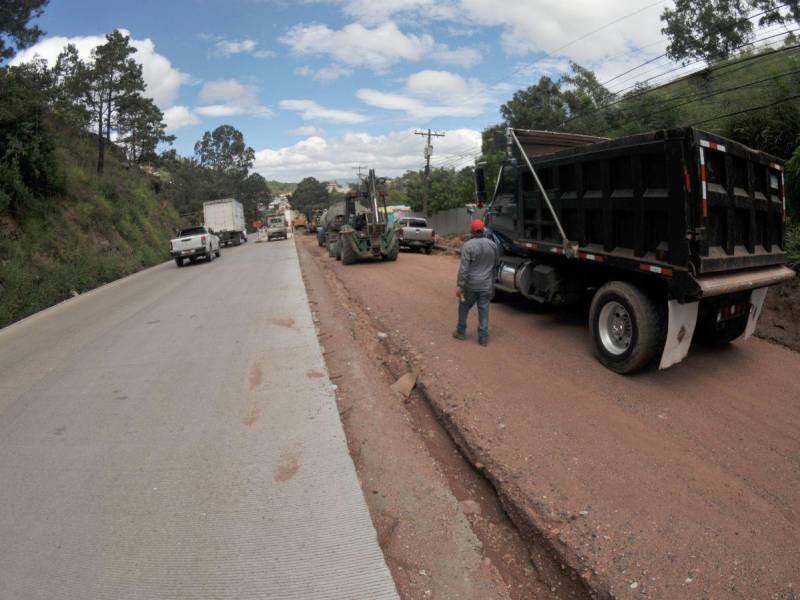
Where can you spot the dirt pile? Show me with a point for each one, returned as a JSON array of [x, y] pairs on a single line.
[[780, 321]]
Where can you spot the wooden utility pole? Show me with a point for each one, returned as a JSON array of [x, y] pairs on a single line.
[[428, 154]]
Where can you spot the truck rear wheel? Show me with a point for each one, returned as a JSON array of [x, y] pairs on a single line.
[[347, 253], [392, 253], [179, 262], [627, 327], [331, 252]]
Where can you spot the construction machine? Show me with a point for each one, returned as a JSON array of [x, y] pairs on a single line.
[[367, 235]]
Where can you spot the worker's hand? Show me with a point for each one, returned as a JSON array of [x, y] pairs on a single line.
[[460, 295]]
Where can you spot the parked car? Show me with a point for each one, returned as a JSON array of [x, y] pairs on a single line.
[[415, 234], [276, 228], [194, 243]]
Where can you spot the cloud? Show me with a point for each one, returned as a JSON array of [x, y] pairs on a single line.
[[178, 117], [307, 130], [225, 48], [311, 111], [329, 73], [390, 155], [552, 26], [372, 12], [377, 48], [162, 79], [230, 97], [430, 94]]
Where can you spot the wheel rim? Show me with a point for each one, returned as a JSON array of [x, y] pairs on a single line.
[[615, 327]]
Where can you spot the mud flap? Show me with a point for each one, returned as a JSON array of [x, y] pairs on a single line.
[[757, 298], [680, 329]]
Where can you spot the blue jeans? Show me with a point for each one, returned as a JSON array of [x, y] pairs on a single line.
[[482, 299]]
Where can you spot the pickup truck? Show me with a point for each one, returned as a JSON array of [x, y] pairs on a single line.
[[276, 228], [415, 234], [193, 243]]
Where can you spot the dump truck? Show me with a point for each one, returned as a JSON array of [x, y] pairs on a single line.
[[299, 220], [226, 218], [675, 235], [368, 235]]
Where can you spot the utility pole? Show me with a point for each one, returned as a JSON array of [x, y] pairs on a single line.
[[428, 154], [358, 168]]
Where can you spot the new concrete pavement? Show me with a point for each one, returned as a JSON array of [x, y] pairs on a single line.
[[175, 435]]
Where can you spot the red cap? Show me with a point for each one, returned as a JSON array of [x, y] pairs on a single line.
[[476, 226]]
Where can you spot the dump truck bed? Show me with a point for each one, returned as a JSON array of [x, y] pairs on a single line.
[[680, 203]]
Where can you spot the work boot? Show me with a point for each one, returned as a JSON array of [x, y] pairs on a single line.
[[458, 335], [484, 342]]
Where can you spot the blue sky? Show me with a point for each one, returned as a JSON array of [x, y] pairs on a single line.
[[318, 86]]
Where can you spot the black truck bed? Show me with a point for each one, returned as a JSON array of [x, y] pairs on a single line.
[[679, 203]]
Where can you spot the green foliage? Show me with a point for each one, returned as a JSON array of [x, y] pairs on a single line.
[[793, 243], [449, 189], [310, 194], [14, 18], [224, 150], [713, 29], [27, 163], [89, 230]]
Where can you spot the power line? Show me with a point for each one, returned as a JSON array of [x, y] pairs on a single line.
[[428, 154], [747, 110]]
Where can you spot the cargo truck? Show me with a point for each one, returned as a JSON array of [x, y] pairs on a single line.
[[226, 218], [675, 234]]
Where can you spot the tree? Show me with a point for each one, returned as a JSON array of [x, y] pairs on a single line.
[[141, 127], [14, 18], [113, 79], [253, 191], [713, 29], [540, 106], [224, 150], [309, 194]]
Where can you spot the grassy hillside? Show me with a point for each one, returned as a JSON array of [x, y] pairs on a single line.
[[94, 229]]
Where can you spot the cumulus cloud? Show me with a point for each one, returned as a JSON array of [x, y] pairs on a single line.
[[162, 79], [311, 111], [329, 73], [390, 155], [178, 117], [430, 94], [307, 130], [378, 48], [225, 48], [230, 97]]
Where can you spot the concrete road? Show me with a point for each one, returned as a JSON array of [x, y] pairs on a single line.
[[175, 435]]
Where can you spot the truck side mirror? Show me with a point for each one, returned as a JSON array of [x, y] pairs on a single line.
[[480, 186]]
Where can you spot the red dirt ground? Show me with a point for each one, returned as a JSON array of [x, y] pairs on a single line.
[[673, 484]]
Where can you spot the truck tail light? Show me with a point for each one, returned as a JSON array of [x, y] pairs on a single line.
[[203, 239], [401, 233]]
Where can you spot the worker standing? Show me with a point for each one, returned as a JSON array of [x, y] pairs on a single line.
[[476, 274]]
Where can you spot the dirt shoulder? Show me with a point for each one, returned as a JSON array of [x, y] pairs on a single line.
[[439, 522], [780, 320], [672, 484]]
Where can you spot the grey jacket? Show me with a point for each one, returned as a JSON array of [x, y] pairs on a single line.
[[479, 259]]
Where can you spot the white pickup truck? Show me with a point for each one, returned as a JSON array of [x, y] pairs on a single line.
[[194, 243], [415, 234]]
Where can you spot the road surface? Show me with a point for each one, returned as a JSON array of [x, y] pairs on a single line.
[[175, 435], [668, 484]]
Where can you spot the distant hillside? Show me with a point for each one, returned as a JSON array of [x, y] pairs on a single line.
[[90, 230], [279, 187]]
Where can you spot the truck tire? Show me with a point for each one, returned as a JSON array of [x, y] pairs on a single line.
[[330, 250], [210, 255], [337, 249], [219, 251], [179, 261], [627, 327], [391, 255], [428, 249], [348, 255]]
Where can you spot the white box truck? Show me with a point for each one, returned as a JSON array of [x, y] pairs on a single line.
[[226, 219]]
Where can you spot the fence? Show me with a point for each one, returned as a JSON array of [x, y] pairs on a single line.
[[448, 222]]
